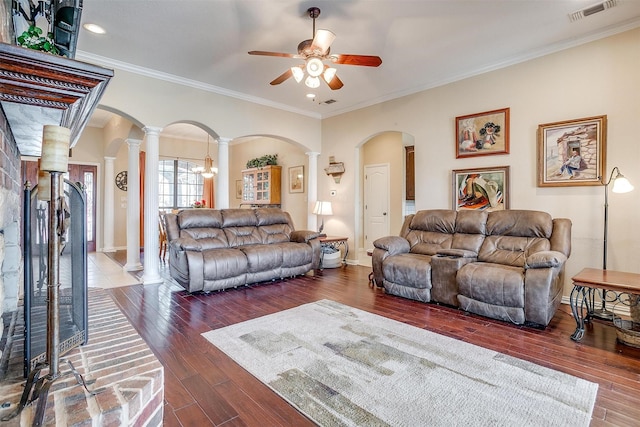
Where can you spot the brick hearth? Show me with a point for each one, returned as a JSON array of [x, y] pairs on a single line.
[[117, 364]]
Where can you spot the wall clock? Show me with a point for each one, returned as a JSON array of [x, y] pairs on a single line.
[[121, 180]]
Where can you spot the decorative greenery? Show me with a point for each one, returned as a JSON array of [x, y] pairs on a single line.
[[33, 39], [266, 160]]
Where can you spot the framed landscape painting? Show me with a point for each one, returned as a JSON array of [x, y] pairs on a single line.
[[572, 152], [482, 134], [481, 189]]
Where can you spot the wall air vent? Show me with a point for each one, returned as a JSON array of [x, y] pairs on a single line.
[[600, 7]]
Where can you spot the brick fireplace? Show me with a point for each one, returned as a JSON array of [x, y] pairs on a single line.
[[10, 202]]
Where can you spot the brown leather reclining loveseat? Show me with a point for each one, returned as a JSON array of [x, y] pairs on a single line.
[[508, 265], [212, 249]]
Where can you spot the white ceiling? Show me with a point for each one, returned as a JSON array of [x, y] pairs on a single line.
[[422, 43]]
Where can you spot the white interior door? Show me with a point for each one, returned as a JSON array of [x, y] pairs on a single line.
[[376, 203]]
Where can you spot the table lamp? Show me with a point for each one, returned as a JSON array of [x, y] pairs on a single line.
[[321, 209]]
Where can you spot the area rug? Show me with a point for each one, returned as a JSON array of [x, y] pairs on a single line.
[[341, 366]]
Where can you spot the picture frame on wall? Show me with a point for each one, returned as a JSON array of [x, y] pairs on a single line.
[[572, 152], [482, 134], [481, 188], [296, 179], [238, 189]]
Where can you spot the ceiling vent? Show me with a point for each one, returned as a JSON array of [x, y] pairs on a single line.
[[328, 101], [596, 8]]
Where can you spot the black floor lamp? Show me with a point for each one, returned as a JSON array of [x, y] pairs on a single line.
[[620, 185]]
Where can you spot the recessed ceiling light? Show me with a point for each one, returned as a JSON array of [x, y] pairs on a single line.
[[94, 28], [311, 95]]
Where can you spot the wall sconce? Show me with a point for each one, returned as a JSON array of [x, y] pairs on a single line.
[[335, 169]]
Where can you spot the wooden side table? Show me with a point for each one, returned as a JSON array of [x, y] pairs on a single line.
[[335, 242], [585, 283]]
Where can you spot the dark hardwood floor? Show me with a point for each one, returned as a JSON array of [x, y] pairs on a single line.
[[205, 387]]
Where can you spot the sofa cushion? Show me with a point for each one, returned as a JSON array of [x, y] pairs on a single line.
[[268, 216], [223, 263], [207, 238], [199, 218], [275, 233], [494, 284], [238, 217], [438, 220], [240, 236], [511, 250], [262, 257], [520, 223], [294, 254], [428, 242], [411, 270]]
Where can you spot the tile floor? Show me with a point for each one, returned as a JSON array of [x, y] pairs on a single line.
[[104, 272]]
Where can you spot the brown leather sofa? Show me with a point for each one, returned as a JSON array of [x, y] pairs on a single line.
[[507, 265], [213, 249]]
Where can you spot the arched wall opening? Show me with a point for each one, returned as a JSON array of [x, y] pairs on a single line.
[[382, 152]]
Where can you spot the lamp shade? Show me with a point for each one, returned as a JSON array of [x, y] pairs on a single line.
[[55, 148], [621, 184], [322, 208]]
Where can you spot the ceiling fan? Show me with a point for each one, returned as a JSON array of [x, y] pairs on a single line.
[[314, 52]]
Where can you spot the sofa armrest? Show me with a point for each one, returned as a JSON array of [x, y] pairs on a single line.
[[393, 244], [545, 259], [186, 244], [303, 236], [457, 253]]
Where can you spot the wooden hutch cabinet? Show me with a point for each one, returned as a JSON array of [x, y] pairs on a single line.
[[262, 186]]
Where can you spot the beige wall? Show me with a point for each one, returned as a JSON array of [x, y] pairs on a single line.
[[594, 79]]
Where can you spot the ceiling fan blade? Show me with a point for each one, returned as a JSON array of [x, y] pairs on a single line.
[[335, 83], [322, 41], [280, 54], [364, 60], [282, 77]]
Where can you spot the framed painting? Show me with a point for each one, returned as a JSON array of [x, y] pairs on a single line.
[[482, 134], [481, 189], [572, 152], [238, 189], [296, 179]]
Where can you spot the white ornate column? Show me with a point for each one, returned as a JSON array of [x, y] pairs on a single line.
[[222, 184], [133, 206], [312, 182], [109, 206], [151, 233]]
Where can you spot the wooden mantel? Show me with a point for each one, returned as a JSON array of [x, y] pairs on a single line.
[[38, 88]]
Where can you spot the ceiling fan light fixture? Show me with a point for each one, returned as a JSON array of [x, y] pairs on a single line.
[[298, 74], [329, 74], [312, 82], [315, 67]]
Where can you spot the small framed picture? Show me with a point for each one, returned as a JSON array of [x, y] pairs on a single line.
[[482, 134], [296, 179], [572, 152], [481, 189], [238, 189]]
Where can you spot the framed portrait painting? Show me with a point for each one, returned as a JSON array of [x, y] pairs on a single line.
[[482, 134], [572, 152], [481, 189], [238, 189], [296, 179]]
